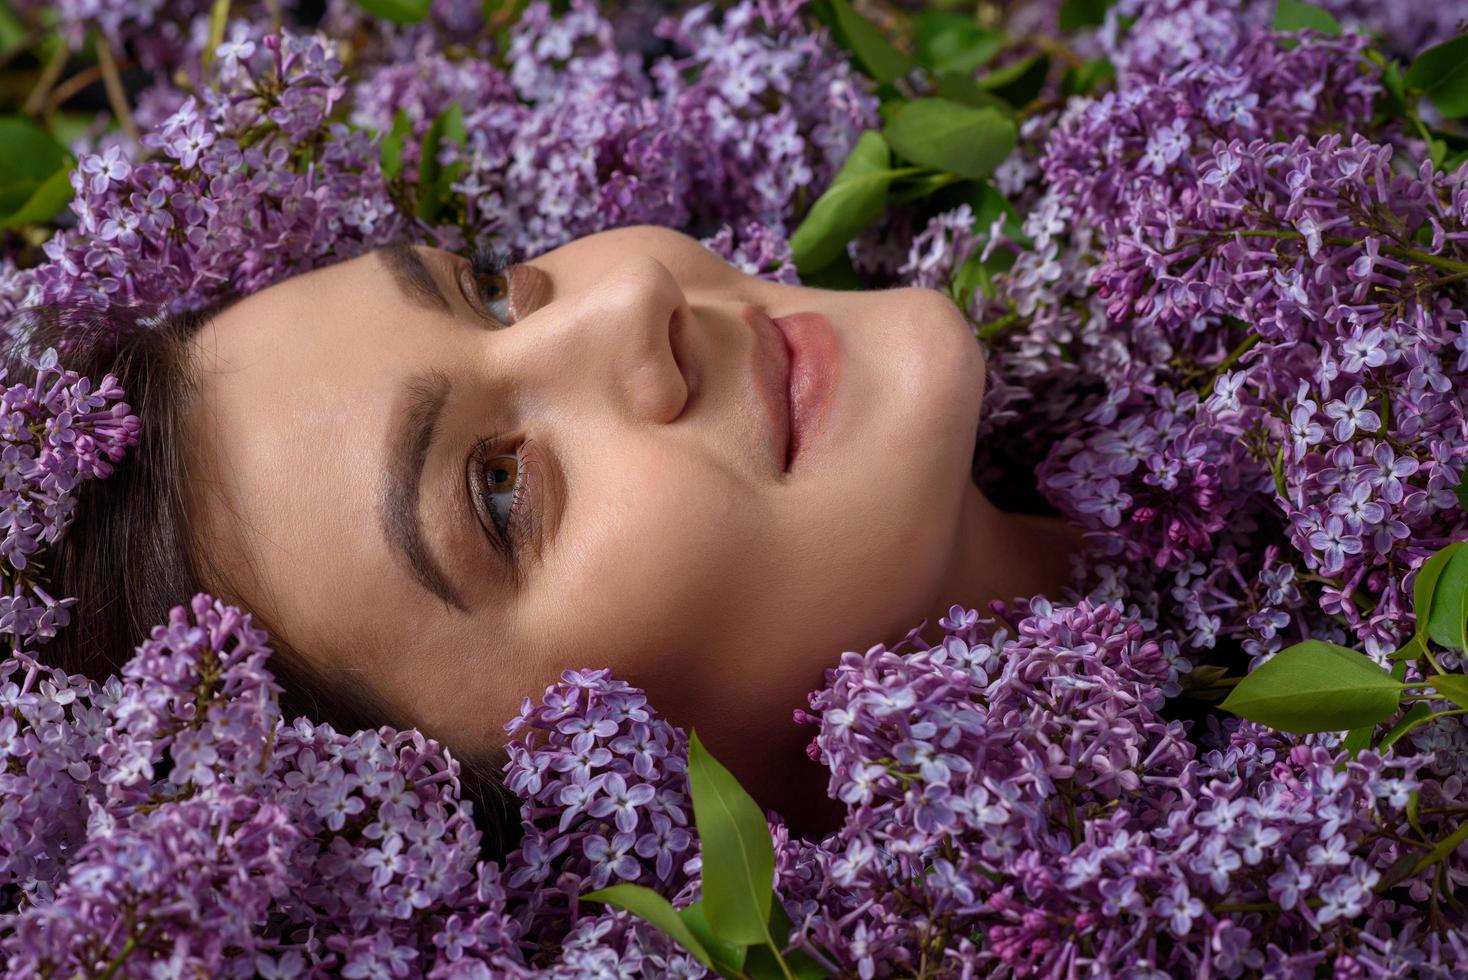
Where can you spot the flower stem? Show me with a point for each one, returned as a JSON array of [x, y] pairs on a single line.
[[116, 94], [36, 101]]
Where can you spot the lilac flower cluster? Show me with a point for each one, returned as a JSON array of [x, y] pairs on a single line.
[[727, 132], [57, 431], [1240, 299], [604, 784], [1019, 782], [252, 186], [172, 812]]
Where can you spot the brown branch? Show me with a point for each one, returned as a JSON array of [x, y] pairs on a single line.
[[116, 94], [49, 74], [63, 92]]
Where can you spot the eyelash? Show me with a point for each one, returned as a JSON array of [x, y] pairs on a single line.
[[487, 264], [512, 537]]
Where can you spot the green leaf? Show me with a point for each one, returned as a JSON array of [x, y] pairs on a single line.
[[34, 173], [1461, 490], [1425, 584], [1086, 78], [392, 144], [762, 964], [738, 852], [875, 54], [398, 11], [44, 202], [1294, 15], [952, 137], [648, 904], [1075, 14], [1447, 614], [1316, 686], [1359, 739], [1019, 81], [840, 274], [728, 958], [433, 178], [853, 201], [961, 88], [952, 43], [1416, 715], [1441, 73], [1454, 687]]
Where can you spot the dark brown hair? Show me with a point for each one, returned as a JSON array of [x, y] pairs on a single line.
[[128, 556]]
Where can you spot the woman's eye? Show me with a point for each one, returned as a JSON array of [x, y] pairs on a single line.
[[494, 293], [501, 481]]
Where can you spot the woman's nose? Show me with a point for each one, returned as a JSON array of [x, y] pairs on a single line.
[[616, 339]]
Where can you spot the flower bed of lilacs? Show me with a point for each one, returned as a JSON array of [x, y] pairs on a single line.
[[1220, 270]]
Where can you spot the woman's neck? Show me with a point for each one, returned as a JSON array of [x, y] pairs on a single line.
[[1003, 556]]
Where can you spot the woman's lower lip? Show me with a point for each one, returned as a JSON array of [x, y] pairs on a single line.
[[815, 366]]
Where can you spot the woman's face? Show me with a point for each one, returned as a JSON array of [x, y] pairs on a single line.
[[339, 456]]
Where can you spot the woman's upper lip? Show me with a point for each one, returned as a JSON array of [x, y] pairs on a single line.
[[772, 377]]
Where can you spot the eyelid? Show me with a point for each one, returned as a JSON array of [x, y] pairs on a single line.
[[464, 276]]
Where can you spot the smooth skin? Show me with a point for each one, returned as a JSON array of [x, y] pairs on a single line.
[[663, 539]]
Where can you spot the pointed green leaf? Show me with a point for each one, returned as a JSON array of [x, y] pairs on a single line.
[[1425, 585], [392, 144], [1454, 687], [952, 137], [738, 852], [45, 201], [1316, 686], [29, 157], [728, 957], [1445, 621], [1295, 15], [1416, 715], [1461, 491], [1441, 73], [648, 904], [874, 53], [434, 179], [853, 201], [398, 11]]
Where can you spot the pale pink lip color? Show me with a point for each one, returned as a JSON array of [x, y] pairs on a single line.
[[815, 365], [772, 374]]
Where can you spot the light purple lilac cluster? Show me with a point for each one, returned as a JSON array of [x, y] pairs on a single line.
[[247, 184], [719, 138], [1020, 804], [1220, 305], [57, 430], [604, 785]]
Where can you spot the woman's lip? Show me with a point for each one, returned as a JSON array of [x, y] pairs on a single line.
[[772, 363], [815, 367]]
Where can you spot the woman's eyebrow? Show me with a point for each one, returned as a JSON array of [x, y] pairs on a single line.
[[413, 278], [419, 406]]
